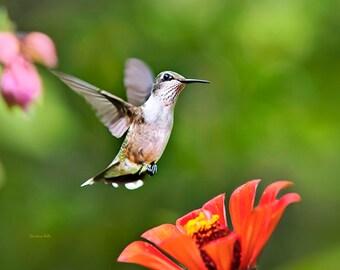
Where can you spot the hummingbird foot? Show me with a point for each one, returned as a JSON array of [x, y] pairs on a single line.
[[152, 168]]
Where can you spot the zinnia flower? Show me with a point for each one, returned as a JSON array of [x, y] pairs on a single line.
[[202, 240], [20, 83]]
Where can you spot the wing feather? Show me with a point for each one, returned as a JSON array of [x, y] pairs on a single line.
[[110, 109], [138, 81]]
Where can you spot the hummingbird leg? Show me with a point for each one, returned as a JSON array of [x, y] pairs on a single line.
[[152, 168]]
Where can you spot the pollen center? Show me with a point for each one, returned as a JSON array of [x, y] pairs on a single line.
[[200, 225]]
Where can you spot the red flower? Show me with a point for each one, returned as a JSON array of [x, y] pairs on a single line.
[[202, 239]]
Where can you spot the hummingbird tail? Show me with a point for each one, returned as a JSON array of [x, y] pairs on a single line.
[[88, 182], [129, 180]]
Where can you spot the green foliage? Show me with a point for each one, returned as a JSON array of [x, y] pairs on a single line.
[[5, 23], [271, 112]]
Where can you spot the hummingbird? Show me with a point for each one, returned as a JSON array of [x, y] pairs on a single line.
[[147, 119]]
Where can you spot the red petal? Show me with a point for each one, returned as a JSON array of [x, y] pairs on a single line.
[[260, 225], [180, 246], [287, 199], [254, 227], [185, 251], [216, 207], [147, 255], [181, 222], [270, 193], [241, 203], [159, 234], [221, 251], [277, 210]]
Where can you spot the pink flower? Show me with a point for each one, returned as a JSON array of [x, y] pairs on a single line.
[[40, 48], [20, 83], [9, 47], [202, 240]]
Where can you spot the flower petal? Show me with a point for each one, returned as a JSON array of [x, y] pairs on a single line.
[[214, 206], [271, 191], [278, 208], [221, 251], [20, 83], [277, 211], [260, 225], [159, 234], [181, 222], [255, 225], [287, 199], [145, 254], [185, 251], [241, 204], [9, 47], [40, 47], [180, 246]]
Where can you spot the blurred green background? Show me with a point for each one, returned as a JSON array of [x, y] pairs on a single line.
[[271, 112]]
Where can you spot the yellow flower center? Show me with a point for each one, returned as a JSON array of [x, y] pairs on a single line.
[[200, 225]]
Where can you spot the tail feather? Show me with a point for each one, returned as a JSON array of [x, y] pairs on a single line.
[[130, 181], [88, 182], [134, 185], [124, 179]]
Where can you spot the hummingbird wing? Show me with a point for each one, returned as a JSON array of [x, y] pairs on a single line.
[[113, 112], [138, 81]]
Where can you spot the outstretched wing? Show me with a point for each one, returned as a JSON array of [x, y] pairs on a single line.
[[114, 112], [138, 81]]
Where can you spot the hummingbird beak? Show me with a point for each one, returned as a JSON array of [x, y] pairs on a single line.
[[187, 81]]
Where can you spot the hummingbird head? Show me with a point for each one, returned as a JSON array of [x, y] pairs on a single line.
[[169, 84]]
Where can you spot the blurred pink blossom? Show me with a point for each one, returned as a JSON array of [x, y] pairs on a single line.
[[20, 83], [9, 47], [40, 48]]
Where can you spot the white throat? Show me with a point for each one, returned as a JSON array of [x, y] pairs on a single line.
[[155, 109]]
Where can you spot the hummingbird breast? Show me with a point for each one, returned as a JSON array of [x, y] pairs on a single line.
[[148, 135]]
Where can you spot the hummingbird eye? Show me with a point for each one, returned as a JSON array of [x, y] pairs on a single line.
[[167, 77]]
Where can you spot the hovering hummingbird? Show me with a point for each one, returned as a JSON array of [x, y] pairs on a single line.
[[147, 117]]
